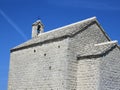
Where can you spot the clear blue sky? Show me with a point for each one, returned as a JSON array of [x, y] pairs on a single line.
[[17, 16]]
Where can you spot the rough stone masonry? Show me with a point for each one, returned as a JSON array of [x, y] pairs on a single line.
[[79, 56]]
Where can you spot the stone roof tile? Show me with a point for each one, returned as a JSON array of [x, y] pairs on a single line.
[[67, 30], [97, 49]]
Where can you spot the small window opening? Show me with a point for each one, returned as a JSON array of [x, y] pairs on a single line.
[[34, 51], [45, 54], [49, 67], [58, 46]]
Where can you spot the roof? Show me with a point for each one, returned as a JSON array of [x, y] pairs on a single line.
[[62, 32], [97, 50]]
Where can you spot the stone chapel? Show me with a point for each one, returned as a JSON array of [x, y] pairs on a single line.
[[79, 56]]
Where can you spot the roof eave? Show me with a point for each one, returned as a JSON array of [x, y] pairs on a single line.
[[98, 54]]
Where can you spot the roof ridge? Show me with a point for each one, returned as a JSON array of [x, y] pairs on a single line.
[[98, 53], [105, 43], [70, 25], [65, 31]]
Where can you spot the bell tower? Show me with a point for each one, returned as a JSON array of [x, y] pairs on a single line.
[[37, 28]]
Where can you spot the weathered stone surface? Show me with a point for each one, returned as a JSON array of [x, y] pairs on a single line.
[[97, 49], [74, 57], [65, 31], [37, 28]]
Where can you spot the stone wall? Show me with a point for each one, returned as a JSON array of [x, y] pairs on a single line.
[[87, 75], [110, 70], [41, 67]]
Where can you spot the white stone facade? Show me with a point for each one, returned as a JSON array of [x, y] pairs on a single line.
[[73, 57]]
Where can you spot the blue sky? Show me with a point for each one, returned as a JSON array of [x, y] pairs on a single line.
[[17, 16]]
